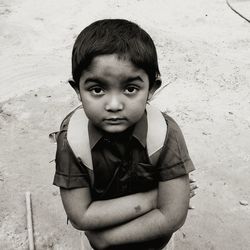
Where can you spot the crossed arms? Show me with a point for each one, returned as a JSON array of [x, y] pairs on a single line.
[[130, 219]]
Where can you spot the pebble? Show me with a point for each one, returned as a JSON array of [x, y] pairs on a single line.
[[243, 203]]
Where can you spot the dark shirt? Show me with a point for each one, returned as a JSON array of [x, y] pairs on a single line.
[[121, 165]]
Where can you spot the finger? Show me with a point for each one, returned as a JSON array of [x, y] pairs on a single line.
[[193, 186], [192, 194], [53, 137], [192, 179], [191, 207]]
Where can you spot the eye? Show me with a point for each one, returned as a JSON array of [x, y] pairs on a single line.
[[131, 90], [96, 91]]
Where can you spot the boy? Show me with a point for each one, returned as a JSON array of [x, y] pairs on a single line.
[[121, 200]]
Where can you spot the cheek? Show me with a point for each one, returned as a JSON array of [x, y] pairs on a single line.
[[140, 101], [87, 100], [93, 113], [91, 108], [137, 108]]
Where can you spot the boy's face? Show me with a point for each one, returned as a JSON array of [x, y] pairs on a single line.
[[114, 93]]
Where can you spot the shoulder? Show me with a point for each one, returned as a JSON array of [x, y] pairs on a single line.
[[70, 170], [172, 124], [174, 159], [174, 140], [65, 122], [174, 131], [61, 137]]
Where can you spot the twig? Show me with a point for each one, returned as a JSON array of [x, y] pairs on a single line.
[[159, 91], [233, 9], [29, 221]]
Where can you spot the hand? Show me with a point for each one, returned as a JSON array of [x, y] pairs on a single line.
[[193, 186], [96, 239]]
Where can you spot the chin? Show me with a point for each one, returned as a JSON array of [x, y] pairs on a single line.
[[115, 129]]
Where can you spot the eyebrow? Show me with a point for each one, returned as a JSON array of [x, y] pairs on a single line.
[[132, 79], [103, 81], [94, 79]]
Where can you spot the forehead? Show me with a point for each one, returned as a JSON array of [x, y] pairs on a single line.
[[113, 66]]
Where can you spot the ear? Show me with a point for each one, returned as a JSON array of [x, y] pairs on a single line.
[[154, 87], [75, 86]]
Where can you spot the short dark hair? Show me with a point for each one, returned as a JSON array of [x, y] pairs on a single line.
[[115, 36]]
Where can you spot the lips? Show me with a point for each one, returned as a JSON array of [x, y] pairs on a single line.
[[115, 120]]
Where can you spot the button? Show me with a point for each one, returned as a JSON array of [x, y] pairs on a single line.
[[106, 140]]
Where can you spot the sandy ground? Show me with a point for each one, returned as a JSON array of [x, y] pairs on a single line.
[[204, 51]]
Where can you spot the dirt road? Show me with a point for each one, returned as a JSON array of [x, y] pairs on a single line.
[[204, 51]]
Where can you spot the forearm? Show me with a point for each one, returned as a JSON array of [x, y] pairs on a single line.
[[112, 212], [105, 213], [170, 214], [101, 214], [147, 227]]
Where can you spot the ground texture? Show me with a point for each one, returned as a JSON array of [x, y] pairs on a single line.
[[204, 51]]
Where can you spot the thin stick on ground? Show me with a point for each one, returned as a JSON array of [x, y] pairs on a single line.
[[238, 13], [29, 221]]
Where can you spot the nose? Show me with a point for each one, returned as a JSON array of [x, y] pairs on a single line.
[[114, 104]]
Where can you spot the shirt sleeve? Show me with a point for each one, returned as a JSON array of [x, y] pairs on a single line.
[[70, 173], [174, 159]]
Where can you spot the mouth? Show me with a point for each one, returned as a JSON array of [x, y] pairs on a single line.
[[114, 120]]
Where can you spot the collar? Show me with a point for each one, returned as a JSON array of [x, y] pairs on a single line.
[[139, 132]]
